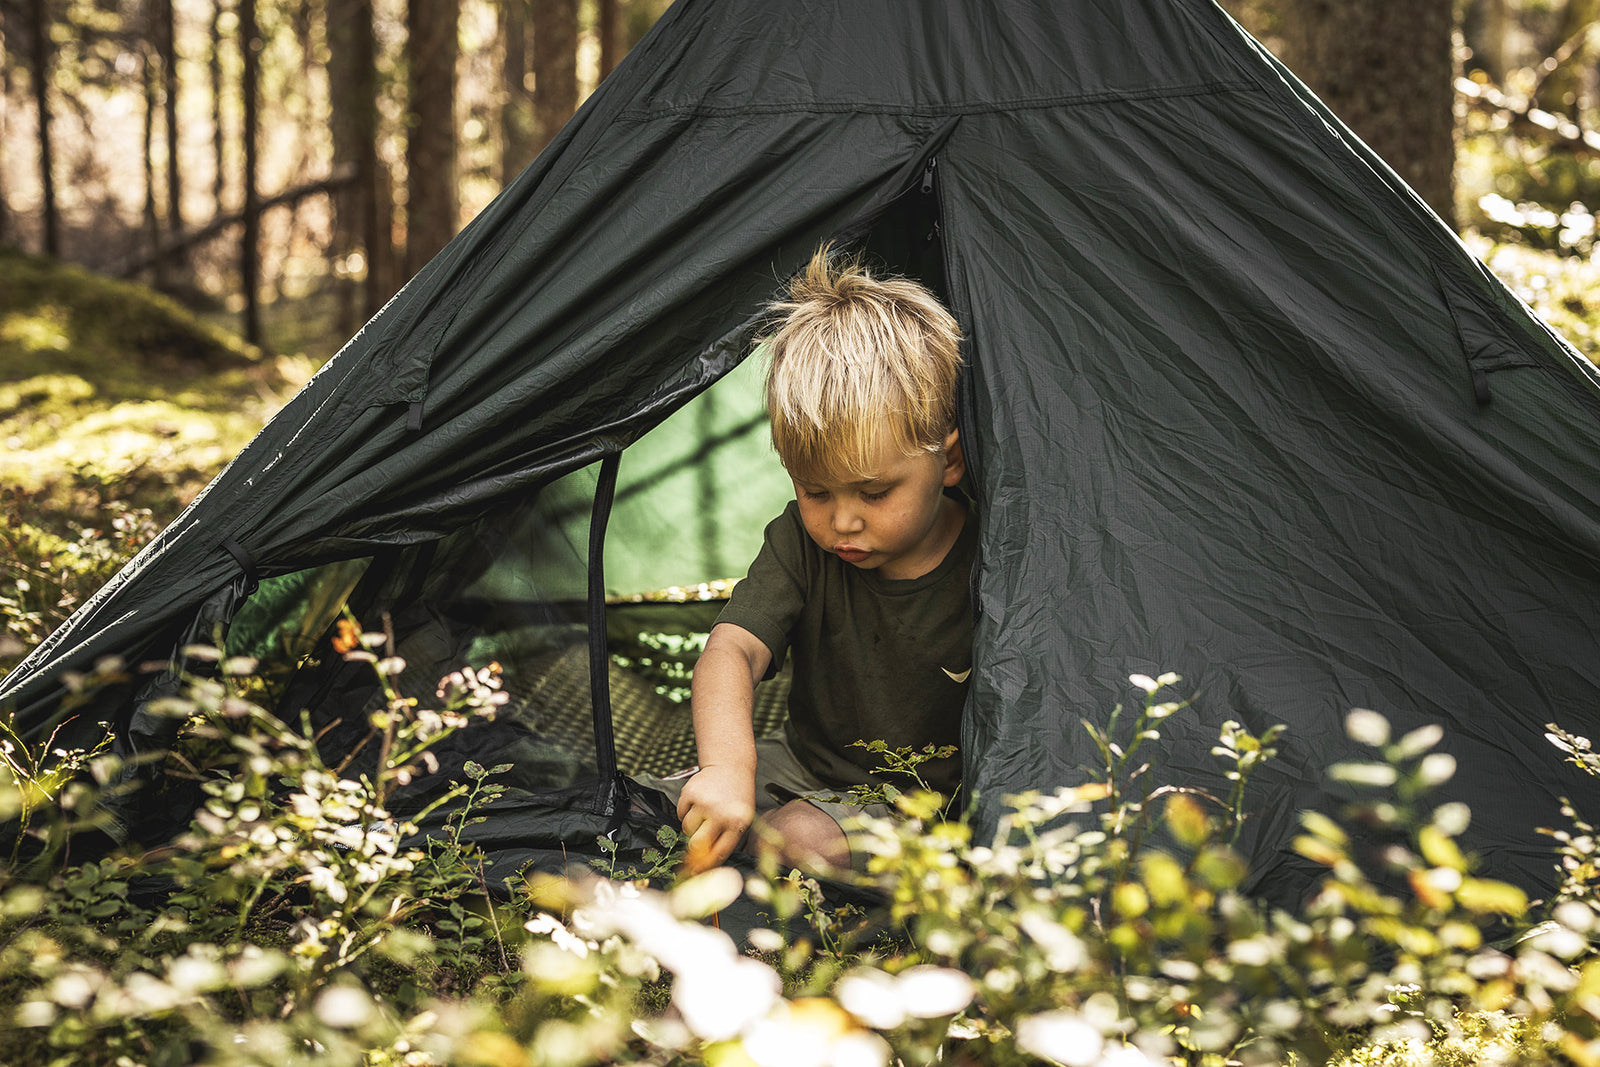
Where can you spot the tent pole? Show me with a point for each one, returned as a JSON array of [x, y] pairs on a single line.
[[599, 655]]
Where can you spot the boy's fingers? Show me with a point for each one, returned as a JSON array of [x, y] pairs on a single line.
[[707, 849]]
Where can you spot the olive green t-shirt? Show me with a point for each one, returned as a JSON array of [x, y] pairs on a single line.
[[873, 658]]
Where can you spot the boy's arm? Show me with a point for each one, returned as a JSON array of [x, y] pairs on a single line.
[[717, 805]]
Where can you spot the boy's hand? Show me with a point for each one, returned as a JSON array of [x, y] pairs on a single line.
[[716, 807]]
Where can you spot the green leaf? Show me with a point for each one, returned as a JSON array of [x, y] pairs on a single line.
[[1220, 868], [1482, 895], [1187, 820], [1324, 827], [1439, 850]]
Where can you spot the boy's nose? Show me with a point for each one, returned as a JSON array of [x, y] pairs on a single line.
[[846, 520]]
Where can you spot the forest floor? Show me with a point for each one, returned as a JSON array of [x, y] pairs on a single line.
[[111, 390], [117, 407]]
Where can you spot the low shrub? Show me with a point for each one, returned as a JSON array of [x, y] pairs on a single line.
[[50, 568], [299, 921]]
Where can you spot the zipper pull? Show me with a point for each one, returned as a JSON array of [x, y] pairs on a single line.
[[927, 175]]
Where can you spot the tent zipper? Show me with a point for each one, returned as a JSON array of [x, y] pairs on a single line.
[[966, 399]]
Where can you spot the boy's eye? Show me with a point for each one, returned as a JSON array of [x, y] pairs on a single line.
[[877, 494], [814, 494]]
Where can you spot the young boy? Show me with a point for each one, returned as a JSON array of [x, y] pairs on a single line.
[[864, 577]]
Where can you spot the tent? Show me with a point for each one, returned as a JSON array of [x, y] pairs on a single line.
[[1237, 405]]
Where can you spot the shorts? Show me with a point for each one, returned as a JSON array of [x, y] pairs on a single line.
[[780, 778]]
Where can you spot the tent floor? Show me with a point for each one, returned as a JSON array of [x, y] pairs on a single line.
[[654, 734]]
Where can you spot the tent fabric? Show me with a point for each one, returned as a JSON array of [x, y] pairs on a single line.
[[1237, 404]]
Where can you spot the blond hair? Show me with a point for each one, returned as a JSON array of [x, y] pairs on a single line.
[[858, 363]]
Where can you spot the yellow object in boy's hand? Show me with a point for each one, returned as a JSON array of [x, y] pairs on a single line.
[[701, 854]]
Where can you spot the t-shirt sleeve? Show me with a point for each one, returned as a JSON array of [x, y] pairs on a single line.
[[768, 601]]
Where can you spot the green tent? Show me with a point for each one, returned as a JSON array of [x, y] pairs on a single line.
[[1237, 406]]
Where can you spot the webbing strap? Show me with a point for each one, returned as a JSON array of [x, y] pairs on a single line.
[[246, 562], [599, 656], [1480, 386]]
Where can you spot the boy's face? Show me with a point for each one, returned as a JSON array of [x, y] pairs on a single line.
[[897, 522]]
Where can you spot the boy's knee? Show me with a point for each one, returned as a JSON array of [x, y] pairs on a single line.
[[802, 835]]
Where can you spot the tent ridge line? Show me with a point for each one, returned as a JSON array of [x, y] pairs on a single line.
[[675, 111]]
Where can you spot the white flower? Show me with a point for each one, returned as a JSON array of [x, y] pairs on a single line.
[[1419, 741], [784, 1042], [1063, 951], [343, 1007], [1444, 879], [1060, 1036], [141, 994], [1436, 768], [1145, 682], [723, 997], [1367, 727], [1252, 952], [1374, 774], [765, 940], [563, 938], [859, 1049], [707, 893], [813, 1032], [1558, 940], [929, 992], [326, 880], [1575, 915], [74, 989], [872, 997], [718, 992], [254, 967], [1452, 818], [195, 974]]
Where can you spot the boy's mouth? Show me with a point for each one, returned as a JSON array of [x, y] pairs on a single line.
[[850, 553]]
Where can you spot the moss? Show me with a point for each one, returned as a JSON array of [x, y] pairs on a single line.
[[114, 391], [55, 311]]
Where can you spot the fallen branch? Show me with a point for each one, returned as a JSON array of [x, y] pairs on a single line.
[[217, 226]]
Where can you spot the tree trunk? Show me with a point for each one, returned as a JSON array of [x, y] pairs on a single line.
[[431, 200], [361, 212], [516, 106], [555, 66], [637, 18], [39, 56], [219, 141], [608, 27], [250, 245], [167, 44], [152, 220], [1387, 68], [1487, 30]]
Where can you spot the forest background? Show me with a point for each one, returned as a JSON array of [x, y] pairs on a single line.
[[276, 170]]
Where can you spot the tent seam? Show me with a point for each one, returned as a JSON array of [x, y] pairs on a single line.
[[987, 107]]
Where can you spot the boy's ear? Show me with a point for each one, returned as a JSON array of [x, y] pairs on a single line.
[[955, 464]]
